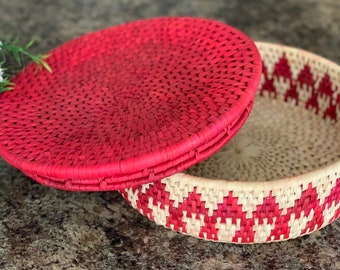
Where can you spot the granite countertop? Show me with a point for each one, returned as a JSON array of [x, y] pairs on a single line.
[[43, 228]]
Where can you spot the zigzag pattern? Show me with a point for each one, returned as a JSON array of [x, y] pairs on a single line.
[[305, 81], [228, 221]]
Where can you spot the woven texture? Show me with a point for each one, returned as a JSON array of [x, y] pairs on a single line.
[[130, 104], [290, 164]]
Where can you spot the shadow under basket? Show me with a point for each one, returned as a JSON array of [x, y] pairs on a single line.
[[279, 177]]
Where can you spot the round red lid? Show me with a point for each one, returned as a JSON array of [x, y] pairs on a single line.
[[130, 104]]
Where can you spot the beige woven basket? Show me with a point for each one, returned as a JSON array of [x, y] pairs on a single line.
[[279, 177]]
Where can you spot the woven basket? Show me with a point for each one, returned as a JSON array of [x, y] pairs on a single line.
[[283, 167], [130, 104]]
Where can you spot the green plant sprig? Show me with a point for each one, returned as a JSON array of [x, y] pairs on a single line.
[[11, 48], [5, 83]]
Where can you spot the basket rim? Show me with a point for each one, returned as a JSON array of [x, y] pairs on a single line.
[[263, 185]]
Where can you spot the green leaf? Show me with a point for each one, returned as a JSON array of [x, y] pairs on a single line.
[[46, 66], [17, 57], [29, 44], [6, 86], [10, 48]]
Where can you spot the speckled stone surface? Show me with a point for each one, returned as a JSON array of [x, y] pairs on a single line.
[[42, 228]]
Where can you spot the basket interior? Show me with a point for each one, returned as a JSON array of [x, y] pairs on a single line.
[[294, 126]]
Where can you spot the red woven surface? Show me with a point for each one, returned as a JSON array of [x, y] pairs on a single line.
[[130, 104]]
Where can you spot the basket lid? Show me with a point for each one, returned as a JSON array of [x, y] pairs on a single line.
[[130, 104]]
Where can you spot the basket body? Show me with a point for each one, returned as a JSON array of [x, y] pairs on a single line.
[[282, 207]]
